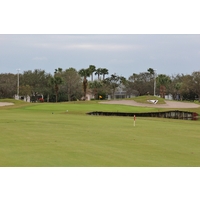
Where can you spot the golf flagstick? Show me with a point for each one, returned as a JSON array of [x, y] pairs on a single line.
[[134, 120]]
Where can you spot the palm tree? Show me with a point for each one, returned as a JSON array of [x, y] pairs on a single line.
[[195, 85], [153, 78], [92, 69], [58, 71], [56, 81], [95, 86], [151, 71], [98, 72], [163, 81], [113, 82], [104, 71], [84, 73]]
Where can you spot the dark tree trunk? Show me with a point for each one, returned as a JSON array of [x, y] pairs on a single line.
[[85, 87]]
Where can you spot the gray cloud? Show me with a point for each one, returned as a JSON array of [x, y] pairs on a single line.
[[122, 54], [40, 58]]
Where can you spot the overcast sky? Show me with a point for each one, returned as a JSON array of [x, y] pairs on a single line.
[[125, 38], [123, 54]]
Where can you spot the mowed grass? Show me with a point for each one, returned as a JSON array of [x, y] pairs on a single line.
[[144, 99], [47, 135]]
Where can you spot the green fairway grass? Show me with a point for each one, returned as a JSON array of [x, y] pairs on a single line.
[[61, 134], [144, 99]]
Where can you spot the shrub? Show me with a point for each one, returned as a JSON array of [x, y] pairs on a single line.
[[41, 100]]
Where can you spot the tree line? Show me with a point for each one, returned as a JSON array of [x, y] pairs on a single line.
[[70, 84]]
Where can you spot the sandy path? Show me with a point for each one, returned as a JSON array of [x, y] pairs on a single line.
[[6, 104], [169, 104]]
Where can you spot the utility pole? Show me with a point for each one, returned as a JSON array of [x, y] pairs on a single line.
[[154, 82], [18, 84]]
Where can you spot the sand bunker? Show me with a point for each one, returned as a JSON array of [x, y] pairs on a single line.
[[6, 104], [169, 104]]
